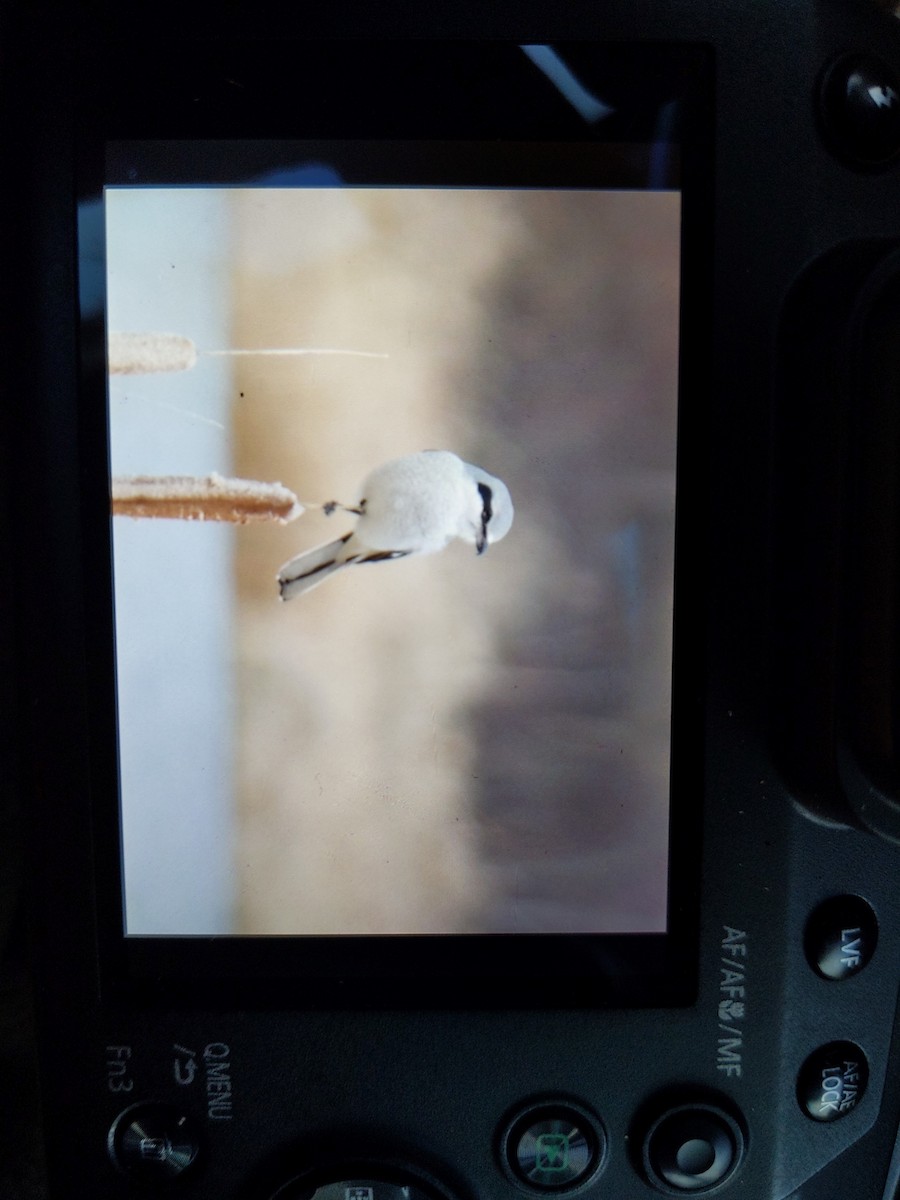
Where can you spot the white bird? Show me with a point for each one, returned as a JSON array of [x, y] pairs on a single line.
[[412, 505]]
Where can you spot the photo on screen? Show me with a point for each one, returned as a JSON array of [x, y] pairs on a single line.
[[446, 743]]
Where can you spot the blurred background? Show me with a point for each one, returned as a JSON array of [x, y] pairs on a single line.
[[435, 745], [168, 270]]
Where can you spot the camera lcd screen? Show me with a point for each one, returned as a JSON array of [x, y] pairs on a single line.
[[390, 404], [449, 742]]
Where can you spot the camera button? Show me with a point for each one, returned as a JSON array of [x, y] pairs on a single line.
[[840, 937], [154, 1142], [691, 1149], [553, 1148], [860, 104], [832, 1081], [367, 1186]]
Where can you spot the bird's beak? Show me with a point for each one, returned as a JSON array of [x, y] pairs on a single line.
[[481, 542]]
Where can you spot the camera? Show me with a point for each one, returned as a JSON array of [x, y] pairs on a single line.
[[563, 867]]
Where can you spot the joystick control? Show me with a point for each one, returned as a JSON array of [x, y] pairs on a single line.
[[692, 1148]]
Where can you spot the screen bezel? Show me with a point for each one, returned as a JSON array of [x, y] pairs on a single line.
[[663, 98]]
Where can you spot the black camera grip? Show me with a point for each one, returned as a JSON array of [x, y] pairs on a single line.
[[835, 612]]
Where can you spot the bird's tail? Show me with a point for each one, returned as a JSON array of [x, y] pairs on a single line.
[[307, 570]]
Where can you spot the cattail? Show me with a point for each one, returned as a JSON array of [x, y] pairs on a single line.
[[145, 353], [203, 498], [149, 353]]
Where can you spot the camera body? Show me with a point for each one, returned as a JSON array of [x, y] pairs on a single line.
[[747, 1042]]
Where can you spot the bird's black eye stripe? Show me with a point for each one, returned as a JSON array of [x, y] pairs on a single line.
[[486, 498]]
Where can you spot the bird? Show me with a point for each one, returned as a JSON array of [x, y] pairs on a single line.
[[412, 505]]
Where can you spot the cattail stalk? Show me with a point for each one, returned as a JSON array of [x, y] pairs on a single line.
[[203, 498], [149, 353]]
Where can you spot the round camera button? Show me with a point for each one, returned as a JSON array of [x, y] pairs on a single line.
[[553, 1148], [697, 1156], [840, 937], [373, 1183], [691, 1149], [154, 1142], [832, 1081], [367, 1189], [860, 104]]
